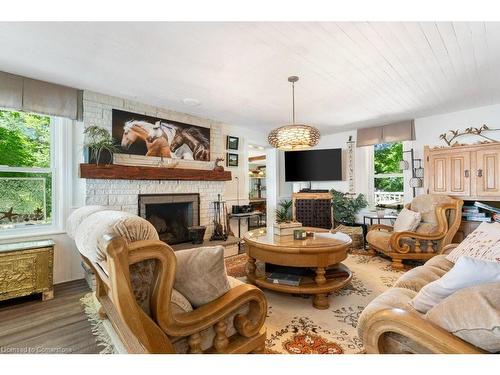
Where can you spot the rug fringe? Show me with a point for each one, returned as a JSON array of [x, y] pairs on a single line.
[[102, 337]]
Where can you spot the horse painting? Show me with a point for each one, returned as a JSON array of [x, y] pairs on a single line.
[[195, 140], [156, 143], [151, 136]]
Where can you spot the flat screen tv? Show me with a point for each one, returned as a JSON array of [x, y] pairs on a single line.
[[313, 165]]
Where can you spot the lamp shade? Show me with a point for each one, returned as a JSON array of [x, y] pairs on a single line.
[[294, 137]]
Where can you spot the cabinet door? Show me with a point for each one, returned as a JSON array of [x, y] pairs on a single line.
[[460, 174], [488, 173], [438, 173]]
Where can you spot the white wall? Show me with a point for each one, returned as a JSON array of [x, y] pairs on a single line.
[[427, 131]]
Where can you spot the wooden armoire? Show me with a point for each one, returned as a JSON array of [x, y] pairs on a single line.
[[469, 172]]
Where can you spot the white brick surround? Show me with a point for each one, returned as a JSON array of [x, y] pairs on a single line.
[[123, 194]]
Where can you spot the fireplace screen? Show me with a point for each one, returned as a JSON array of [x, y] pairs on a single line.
[[171, 214]]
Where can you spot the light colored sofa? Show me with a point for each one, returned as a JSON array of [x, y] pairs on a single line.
[[389, 324], [139, 289]]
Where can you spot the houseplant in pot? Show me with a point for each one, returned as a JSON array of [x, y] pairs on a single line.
[[100, 144], [285, 224], [346, 206]]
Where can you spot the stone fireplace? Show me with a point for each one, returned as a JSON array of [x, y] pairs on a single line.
[[171, 214]]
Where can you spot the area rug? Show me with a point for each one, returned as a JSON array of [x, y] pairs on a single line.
[[293, 325]]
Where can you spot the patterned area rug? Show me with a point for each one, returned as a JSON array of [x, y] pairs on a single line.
[[293, 325]]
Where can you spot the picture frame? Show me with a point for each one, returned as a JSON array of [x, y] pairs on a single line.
[[143, 135], [231, 159], [232, 143]]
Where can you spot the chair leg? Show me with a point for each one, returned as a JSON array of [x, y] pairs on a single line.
[[259, 350], [397, 264]]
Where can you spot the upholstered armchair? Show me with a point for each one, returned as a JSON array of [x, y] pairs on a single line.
[[139, 281], [441, 216]]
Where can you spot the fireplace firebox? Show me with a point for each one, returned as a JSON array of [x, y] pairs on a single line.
[[171, 214]]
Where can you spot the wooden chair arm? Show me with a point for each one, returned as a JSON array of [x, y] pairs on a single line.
[[388, 228], [448, 248], [405, 248], [417, 329], [209, 314]]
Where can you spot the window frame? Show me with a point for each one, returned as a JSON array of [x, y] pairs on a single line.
[[373, 176], [60, 169]]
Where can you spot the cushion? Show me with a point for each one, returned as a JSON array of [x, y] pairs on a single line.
[[473, 314], [179, 303], [407, 221], [201, 274], [131, 227], [379, 238], [419, 277], [467, 272], [426, 204], [482, 243], [77, 216]]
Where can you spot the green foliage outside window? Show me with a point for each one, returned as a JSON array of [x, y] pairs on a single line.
[[386, 161], [25, 142]]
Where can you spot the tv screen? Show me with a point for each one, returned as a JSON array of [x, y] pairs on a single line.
[[314, 165]]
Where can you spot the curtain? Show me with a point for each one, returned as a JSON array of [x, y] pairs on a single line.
[[31, 95], [396, 132]]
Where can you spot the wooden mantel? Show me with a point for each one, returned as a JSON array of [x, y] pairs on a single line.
[[126, 172]]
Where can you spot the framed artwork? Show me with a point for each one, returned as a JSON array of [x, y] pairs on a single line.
[[231, 160], [232, 142], [151, 136]]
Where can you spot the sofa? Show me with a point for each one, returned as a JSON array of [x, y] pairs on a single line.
[[390, 324], [161, 301]]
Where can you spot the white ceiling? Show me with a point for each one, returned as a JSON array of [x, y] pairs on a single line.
[[351, 74]]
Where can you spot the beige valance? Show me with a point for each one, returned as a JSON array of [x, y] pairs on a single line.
[[396, 132], [31, 95]]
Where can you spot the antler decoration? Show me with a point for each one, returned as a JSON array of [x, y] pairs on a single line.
[[451, 135]]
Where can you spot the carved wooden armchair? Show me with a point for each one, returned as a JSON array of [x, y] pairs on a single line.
[[441, 216], [233, 323]]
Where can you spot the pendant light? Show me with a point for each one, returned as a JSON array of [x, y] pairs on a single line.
[[295, 136]]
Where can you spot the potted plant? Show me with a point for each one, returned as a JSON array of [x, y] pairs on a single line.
[[346, 206], [284, 221], [97, 141]]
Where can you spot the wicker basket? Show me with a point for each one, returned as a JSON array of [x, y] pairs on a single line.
[[356, 234]]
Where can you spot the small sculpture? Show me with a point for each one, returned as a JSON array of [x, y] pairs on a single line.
[[217, 167]]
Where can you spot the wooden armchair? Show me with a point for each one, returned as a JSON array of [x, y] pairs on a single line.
[[242, 309], [441, 216]]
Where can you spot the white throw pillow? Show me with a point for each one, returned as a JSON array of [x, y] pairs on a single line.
[[482, 243], [407, 221], [467, 272]]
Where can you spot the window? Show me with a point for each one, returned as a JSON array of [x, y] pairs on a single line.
[[388, 177], [27, 170]]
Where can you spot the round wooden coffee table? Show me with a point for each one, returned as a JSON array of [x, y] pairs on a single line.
[[317, 253]]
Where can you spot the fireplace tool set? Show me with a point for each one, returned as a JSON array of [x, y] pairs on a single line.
[[220, 226]]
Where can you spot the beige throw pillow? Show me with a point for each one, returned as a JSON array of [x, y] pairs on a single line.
[[465, 273], [473, 314], [201, 274], [407, 221], [482, 243]]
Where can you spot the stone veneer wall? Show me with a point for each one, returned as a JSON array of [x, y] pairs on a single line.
[[123, 194]]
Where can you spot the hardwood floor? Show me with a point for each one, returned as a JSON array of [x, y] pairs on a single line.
[[28, 325]]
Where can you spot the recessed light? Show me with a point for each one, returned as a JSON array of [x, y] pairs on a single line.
[[191, 102]]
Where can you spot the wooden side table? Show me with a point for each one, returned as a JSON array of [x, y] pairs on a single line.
[[27, 268]]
